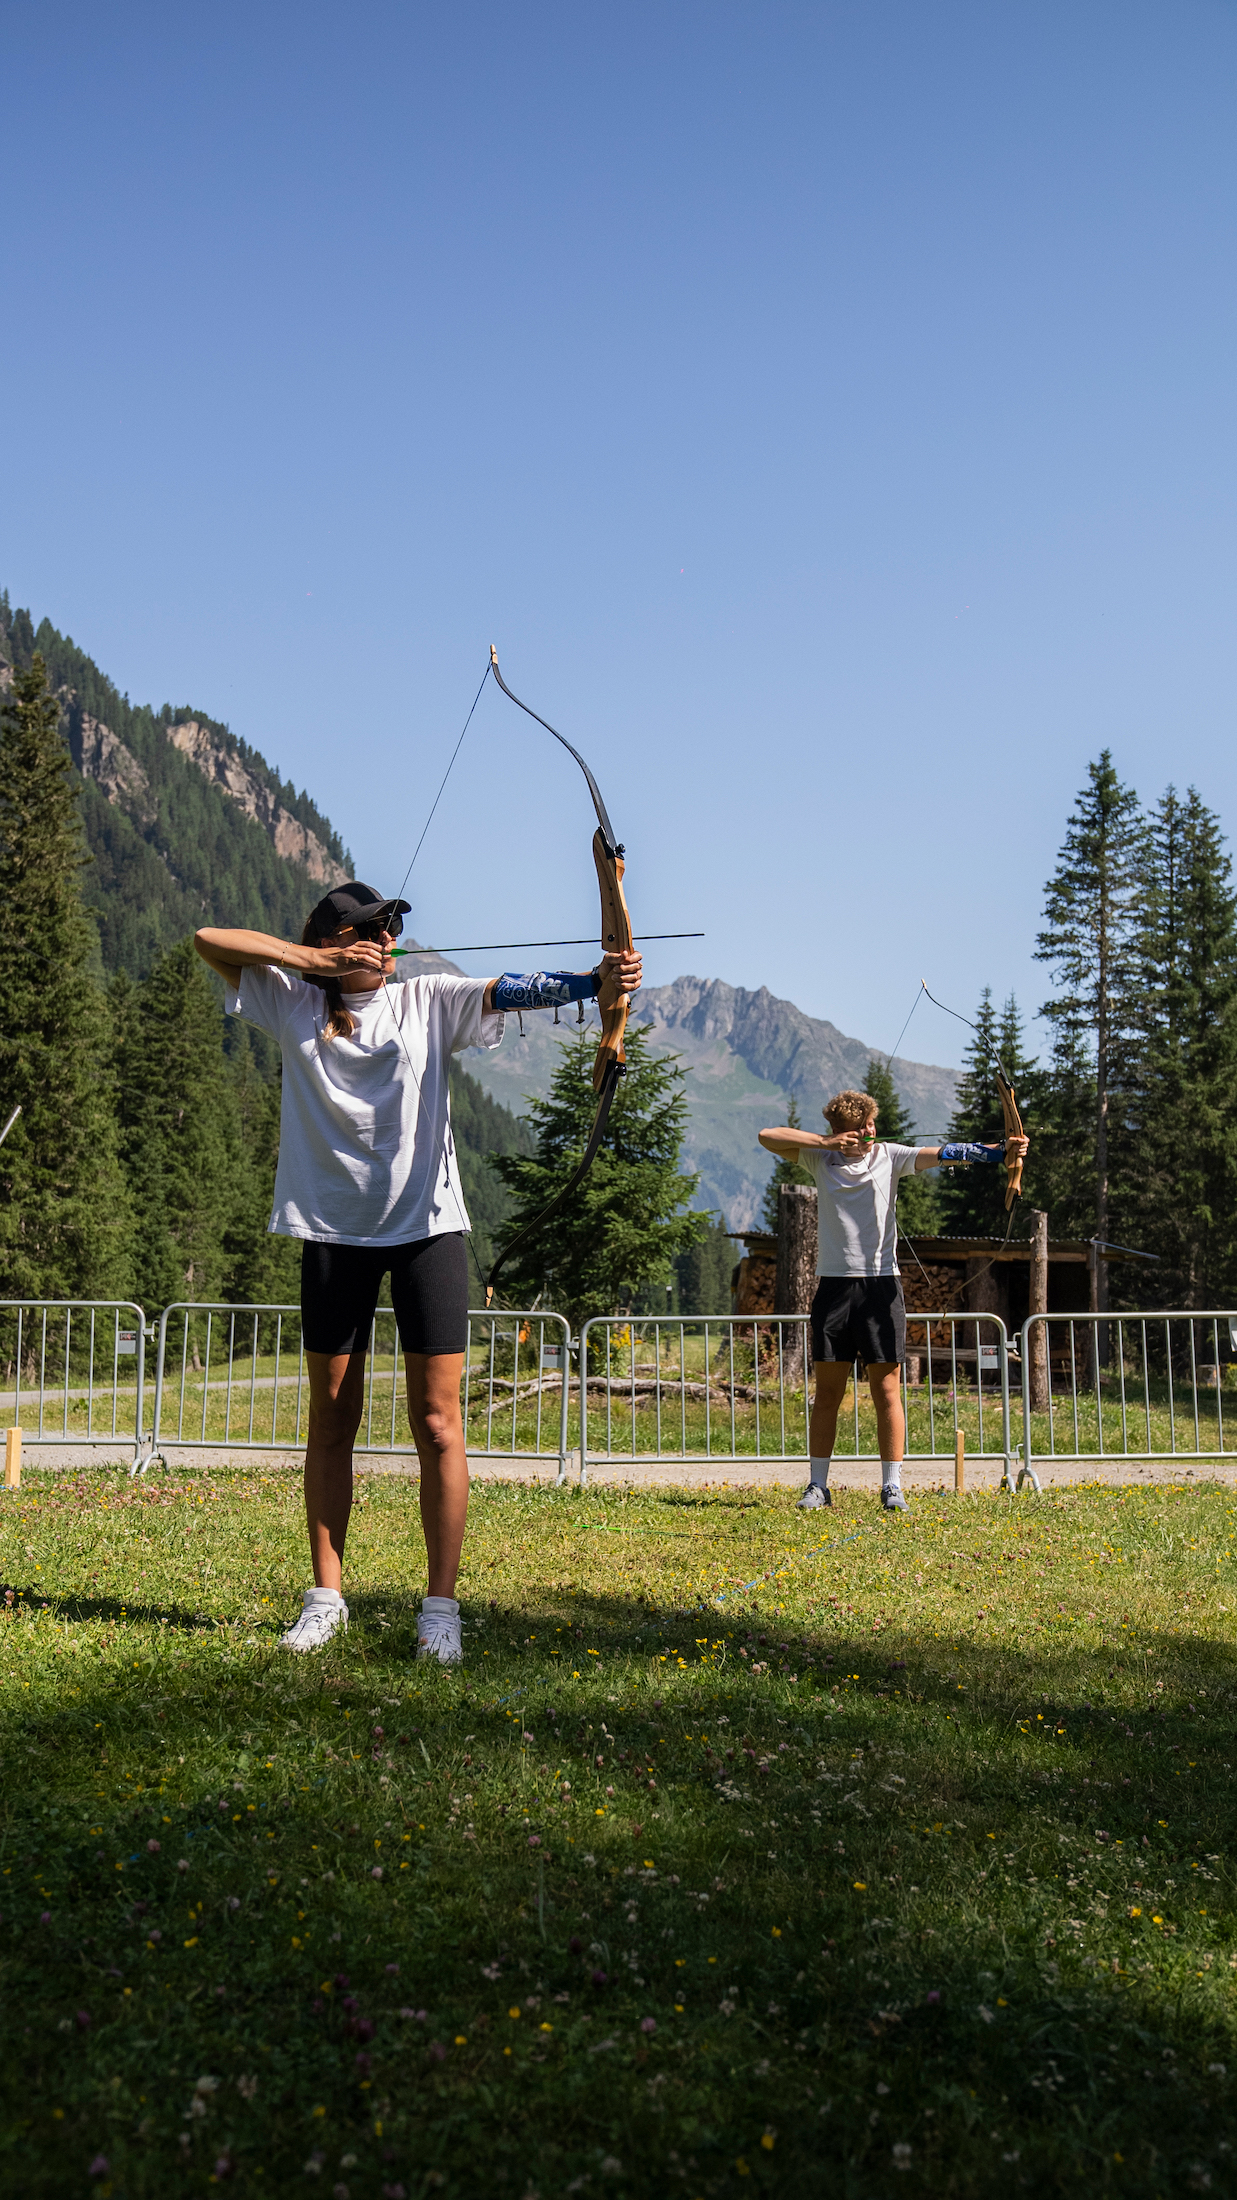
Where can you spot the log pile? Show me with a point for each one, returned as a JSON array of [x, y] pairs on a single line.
[[930, 1290]]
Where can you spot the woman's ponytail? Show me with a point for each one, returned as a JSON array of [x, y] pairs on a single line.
[[339, 1024]]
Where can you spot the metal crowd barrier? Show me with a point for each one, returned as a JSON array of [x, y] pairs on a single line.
[[234, 1378], [73, 1371], [1127, 1386], [731, 1387]]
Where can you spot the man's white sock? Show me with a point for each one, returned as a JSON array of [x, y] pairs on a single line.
[[440, 1604], [324, 1596], [891, 1474], [820, 1472]]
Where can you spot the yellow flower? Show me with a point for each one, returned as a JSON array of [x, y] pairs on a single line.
[[513, 2012], [777, 1930], [1136, 1911], [861, 1886], [768, 2140]]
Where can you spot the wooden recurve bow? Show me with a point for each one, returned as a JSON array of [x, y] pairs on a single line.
[[610, 1061]]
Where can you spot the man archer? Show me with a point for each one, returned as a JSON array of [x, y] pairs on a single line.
[[858, 1312]]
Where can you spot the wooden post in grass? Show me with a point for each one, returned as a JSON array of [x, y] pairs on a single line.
[[959, 1463], [796, 1272], [1037, 1303], [12, 1459]]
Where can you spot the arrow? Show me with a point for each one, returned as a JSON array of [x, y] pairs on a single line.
[[495, 947]]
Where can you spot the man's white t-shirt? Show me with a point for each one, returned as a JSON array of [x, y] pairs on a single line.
[[856, 1234], [366, 1155]]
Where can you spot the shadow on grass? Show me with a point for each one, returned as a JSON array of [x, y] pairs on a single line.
[[938, 1915]]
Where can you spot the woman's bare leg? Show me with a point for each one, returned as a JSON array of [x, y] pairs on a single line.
[[336, 1397], [438, 1432]]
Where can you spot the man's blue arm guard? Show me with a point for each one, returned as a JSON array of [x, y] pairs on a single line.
[[962, 1150], [544, 988]]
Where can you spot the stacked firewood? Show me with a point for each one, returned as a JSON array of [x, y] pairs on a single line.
[[930, 1290]]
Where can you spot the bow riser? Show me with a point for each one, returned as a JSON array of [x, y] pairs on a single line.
[[616, 940], [1013, 1129]]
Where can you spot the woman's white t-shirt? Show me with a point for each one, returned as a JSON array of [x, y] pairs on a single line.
[[856, 1230], [366, 1155]]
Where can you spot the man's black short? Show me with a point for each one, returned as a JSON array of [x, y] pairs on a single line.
[[859, 1318], [429, 1292]]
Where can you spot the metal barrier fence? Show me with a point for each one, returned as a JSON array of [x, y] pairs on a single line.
[[1127, 1386], [234, 1378], [73, 1371], [730, 1387]]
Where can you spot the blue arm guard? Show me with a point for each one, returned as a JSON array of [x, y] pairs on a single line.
[[962, 1150], [544, 988]]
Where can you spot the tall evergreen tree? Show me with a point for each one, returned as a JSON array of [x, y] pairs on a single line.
[[622, 1228], [919, 1209], [972, 1201], [784, 1172], [65, 1221], [1181, 1191], [181, 1127], [1091, 939]]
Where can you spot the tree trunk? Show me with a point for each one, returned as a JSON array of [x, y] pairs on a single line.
[[1038, 1304], [796, 1269]]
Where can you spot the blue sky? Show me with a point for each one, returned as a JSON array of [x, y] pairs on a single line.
[[827, 410]]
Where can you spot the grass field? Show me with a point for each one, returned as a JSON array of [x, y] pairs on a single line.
[[750, 1851]]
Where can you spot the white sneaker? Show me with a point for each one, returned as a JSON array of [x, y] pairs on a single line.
[[438, 1630], [814, 1496], [323, 1614]]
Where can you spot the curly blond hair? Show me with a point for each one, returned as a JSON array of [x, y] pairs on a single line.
[[849, 1111]]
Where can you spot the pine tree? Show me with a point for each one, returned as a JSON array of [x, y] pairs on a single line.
[[65, 1222], [1181, 1189], [972, 1201], [1091, 939], [918, 1203], [181, 1127], [784, 1172], [622, 1228]]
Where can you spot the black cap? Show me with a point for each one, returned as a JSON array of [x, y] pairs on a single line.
[[353, 903]]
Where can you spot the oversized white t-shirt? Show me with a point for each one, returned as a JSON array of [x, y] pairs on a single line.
[[856, 1234], [366, 1155]]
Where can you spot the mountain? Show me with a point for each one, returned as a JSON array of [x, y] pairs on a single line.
[[186, 824], [746, 1054]]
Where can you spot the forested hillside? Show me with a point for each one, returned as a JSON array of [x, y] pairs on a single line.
[[186, 824]]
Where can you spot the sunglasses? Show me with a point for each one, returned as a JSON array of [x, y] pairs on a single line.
[[374, 930]]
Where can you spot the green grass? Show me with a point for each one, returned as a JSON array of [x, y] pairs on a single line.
[[750, 1851]]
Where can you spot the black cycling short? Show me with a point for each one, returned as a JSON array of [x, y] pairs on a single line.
[[429, 1292], [859, 1318]]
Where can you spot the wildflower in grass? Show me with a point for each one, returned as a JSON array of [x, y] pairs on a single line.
[[45, 1917], [902, 2155], [599, 1978], [83, 2020], [247, 2087], [648, 2024], [438, 2051], [99, 2167], [933, 1996], [393, 1970], [182, 1864], [375, 1871]]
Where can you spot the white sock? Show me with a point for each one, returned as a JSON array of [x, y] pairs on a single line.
[[891, 1474], [820, 1472], [440, 1605], [324, 1596]]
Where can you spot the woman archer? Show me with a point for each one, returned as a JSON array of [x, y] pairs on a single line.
[[367, 1179]]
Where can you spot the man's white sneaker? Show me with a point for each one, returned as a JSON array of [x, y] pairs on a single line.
[[438, 1630], [323, 1614], [814, 1496]]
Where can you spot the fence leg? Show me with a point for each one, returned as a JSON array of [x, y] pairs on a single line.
[[960, 1463], [12, 1459]]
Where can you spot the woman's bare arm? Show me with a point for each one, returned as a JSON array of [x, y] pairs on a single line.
[[229, 953]]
